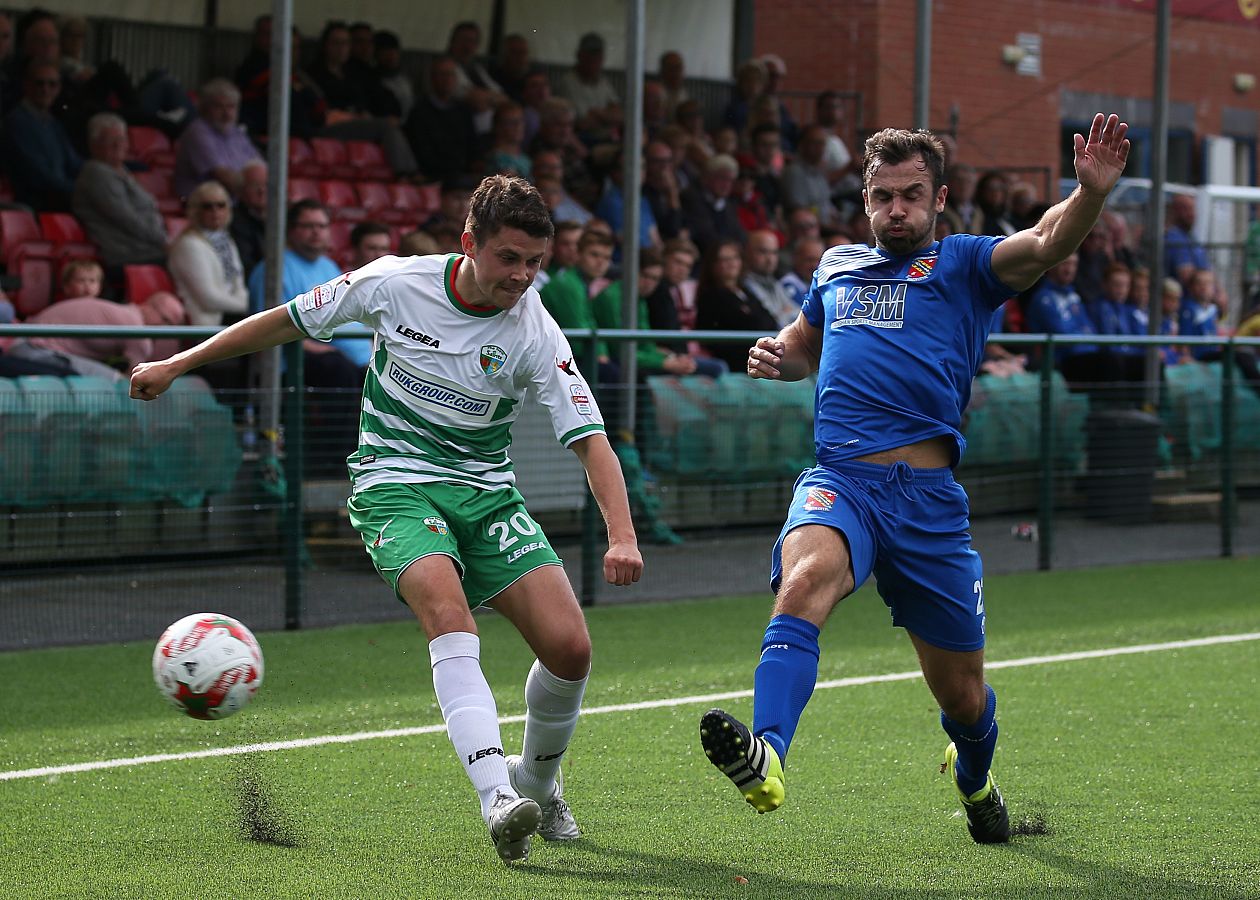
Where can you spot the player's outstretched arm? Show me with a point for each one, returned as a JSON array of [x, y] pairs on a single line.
[[259, 332], [790, 356], [623, 563], [1100, 159]]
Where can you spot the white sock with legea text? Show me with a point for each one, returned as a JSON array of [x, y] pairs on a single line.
[[552, 706], [472, 719]]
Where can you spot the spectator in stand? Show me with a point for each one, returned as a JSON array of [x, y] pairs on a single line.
[[570, 297], [389, 75], [1107, 310], [612, 208], [507, 150], [801, 223], [40, 161], [362, 61], [596, 104], [709, 212], [6, 57], [660, 187], [722, 303], [513, 66], [673, 73], [556, 133], [1135, 317], [654, 115], [82, 278], [724, 140], [473, 83], [453, 204], [249, 217], [806, 253], [117, 214], [805, 181], [369, 241], [699, 147], [993, 198], [961, 210], [417, 243], [35, 40], [307, 109], [111, 358], [679, 142], [1199, 313], [761, 259], [356, 108], [564, 247], [440, 127], [1184, 256], [1024, 211], [837, 160], [204, 262], [305, 265], [548, 168], [214, 145], [750, 209], [1120, 241], [672, 307], [750, 82], [765, 159], [776, 73], [1095, 257], [534, 94], [1170, 300]]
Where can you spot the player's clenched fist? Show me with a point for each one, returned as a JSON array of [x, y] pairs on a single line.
[[623, 564], [150, 380], [764, 358]]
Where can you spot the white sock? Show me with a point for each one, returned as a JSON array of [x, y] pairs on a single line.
[[472, 719], [552, 705]]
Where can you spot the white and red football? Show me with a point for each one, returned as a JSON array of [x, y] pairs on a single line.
[[208, 665]]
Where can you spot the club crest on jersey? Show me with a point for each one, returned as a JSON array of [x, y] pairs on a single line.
[[492, 359], [819, 498], [921, 268], [435, 524]]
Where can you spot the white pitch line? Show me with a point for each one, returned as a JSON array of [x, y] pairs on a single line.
[[299, 743]]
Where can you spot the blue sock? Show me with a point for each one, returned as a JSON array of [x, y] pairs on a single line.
[[975, 745], [784, 680]]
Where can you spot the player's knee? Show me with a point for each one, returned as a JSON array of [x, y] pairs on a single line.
[[810, 591], [570, 657], [964, 703]]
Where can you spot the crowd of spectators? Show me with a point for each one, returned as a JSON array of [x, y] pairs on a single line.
[[734, 211]]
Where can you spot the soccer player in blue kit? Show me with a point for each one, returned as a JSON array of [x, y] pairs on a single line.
[[896, 333]]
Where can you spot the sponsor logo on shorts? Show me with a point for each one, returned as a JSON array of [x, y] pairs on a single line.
[[381, 540], [581, 399], [525, 548], [819, 498], [492, 359], [435, 524], [439, 395]]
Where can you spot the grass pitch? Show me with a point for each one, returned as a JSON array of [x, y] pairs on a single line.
[[1131, 775]]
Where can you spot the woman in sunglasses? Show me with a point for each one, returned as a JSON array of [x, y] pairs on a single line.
[[204, 261]]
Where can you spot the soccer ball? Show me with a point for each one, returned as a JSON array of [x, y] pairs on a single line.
[[208, 665]]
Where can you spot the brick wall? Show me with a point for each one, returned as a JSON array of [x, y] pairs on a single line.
[[1004, 119]]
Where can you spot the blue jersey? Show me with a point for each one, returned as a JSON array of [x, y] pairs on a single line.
[[902, 338]]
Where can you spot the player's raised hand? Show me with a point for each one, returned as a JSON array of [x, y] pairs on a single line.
[[764, 358], [623, 564], [150, 380], [1101, 157]]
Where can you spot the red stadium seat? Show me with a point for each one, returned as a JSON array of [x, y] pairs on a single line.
[[330, 154], [161, 186], [375, 200], [430, 197], [339, 237], [17, 226], [303, 189], [32, 265], [302, 162], [151, 146], [367, 160], [418, 202], [62, 228], [142, 282], [341, 200]]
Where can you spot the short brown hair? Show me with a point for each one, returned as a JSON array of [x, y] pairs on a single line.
[[75, 266], [897, 145], [680, 245], [595, 238], [505, 201]]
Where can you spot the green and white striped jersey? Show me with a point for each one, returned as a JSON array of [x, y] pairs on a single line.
[[446, 379]]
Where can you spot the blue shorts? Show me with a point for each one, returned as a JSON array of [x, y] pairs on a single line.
[[910, 528]]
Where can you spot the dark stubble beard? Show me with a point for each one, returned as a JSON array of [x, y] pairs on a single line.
[[908, 242]]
